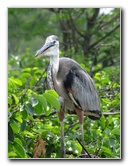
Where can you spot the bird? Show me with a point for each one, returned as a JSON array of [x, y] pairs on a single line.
[[76, 89]]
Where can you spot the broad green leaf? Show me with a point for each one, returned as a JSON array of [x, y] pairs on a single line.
[[12, 154], [17, 81], [15, 98], [30, 109], [25, 75], [116, 131], [28, 133], [19, 141], [42, 101], [106, 150], [10, 134], [23, 125], [24, 114], [32, 82], [38, 72], [26, 70], [48, 110], [35, 68], [15, 127], [18, 117], [19, 150], [38, 109], [52, 100], [52, 92]]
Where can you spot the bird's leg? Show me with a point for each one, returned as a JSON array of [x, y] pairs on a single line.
[[80, 115], [61, 117]]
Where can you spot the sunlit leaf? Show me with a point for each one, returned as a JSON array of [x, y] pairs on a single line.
[[17, 81], [15, 98], [15, 127], [38, 109], [19, 150], [25, 75], [116, 131], [41, 99], [52, 100]]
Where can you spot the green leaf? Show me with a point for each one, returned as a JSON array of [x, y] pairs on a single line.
[[19, 149], [24, 112], [52, 100], [18, 117], [26, 70], [15, 98], [25, 75], [10, 133], [106, 150], [17, 81], [30, 109], [35, 68], [116, 131], [42, 101], [48, 110], [14, 127], [52, 92], [38, 109], [23, 125], [12, 154], [38, 72], [28, 133], [9, 100]]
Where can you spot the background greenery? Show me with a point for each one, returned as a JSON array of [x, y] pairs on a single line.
[[91, 38]]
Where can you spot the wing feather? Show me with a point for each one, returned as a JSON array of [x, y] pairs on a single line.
[[83, 90]]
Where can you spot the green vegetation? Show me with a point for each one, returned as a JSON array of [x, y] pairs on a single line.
[[93, 40]]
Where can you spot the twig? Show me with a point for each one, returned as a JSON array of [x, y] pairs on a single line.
[[102, 38], [44, 115], [110, 113], [39, 78], [83, 148], [109, 21]]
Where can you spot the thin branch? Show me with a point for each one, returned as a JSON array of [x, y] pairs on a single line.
[[92, 20], [95, 43], [74, 25], [95, 14], [44, 115], [39, 79], [109, 21], [111, 113], [84, 148]]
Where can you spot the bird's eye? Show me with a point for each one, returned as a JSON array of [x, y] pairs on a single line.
[[54, 42]]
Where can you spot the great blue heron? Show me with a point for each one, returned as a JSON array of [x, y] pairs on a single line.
[[76, 89]]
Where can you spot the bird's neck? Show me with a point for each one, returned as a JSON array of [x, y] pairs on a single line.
[[54, 61]]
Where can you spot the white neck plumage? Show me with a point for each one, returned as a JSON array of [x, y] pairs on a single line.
[[54, 60]]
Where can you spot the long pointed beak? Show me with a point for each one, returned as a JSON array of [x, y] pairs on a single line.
[[44, 49]]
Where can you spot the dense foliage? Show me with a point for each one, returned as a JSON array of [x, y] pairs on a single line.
[[93, 40]]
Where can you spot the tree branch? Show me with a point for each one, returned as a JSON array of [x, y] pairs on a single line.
[[95, 43], [109, 21], [84, 148], [92, 20]]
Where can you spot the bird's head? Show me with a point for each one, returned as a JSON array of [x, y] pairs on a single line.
[[50, 48]]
